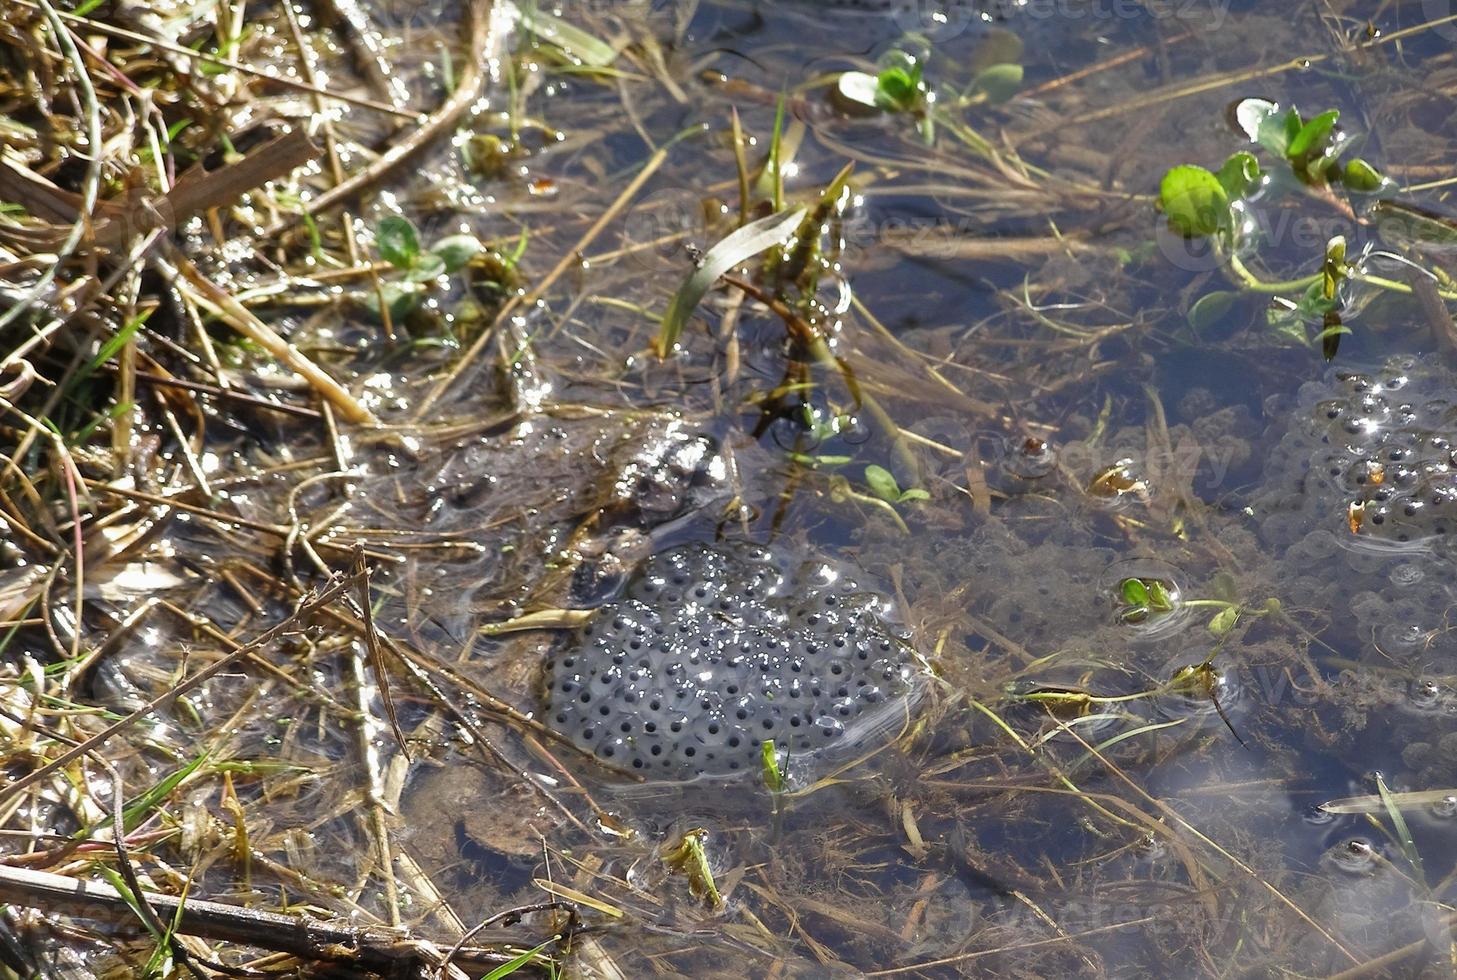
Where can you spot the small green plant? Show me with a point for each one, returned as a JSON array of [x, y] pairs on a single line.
[[1144, 599], [900, 85], [689, 857], [883, 485], [773, 775], [1312, 157], [1314, 148], [399, 245]]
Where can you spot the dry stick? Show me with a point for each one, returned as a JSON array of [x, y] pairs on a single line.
[[226, 394], [1016, 947], [243, 320], [306, 608], [1099, 66], [573, 256], [373, 821], [365, 612], [384, 951], [279, 530], [484, 40], [114, 221]]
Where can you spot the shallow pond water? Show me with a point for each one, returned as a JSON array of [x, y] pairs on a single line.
[[1149, 537], [1007, 295]]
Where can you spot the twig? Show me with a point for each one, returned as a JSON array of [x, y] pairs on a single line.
[[243, 320], [387, 951]]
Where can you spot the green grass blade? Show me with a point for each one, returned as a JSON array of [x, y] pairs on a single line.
[[1403, 833], [506, 969], [743, 244], [573, 40], [1378, 804]]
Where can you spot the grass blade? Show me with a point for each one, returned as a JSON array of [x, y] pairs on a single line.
[[1403, 834], [743, 244], [506, 969], [1384, 802]]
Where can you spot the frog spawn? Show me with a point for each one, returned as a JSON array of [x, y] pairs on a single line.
[[711, 652], [1370, 454]]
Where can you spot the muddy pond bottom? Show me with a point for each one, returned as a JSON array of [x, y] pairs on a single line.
[[712, 651]]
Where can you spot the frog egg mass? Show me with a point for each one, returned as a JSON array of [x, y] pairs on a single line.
[[713, 650], [1372, 451]]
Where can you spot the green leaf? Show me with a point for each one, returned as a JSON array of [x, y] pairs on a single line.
[[1134, 592], [1224, 620], [1403, 833], [1239, 174], [1361, 177], [882, 483], [1291, 124], [428, 266], [1311, 140], [456, 251], [1259, 119], [1194, 201], [769, 759], [1314, 304], [573, 40], [914, 493], [998, 83], [398, 242], [1334, 270], [119, 340], [896, 83], [400, 298], [994, 46], [1158, 596], [511, 966], [746, 242], [1210, 308]]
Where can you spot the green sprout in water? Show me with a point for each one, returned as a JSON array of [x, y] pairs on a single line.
[[773, 775], [1313, 160], [399, 245], [1145, 598], [900, 87], [885, 493], [884, 486], [690, 857]]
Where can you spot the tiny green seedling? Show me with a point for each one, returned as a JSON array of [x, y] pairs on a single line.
[[883, 485], [899, 87], [773, 775], [399, 245], [1310, 154], [885, 493], [1144, 599], [690, 857]]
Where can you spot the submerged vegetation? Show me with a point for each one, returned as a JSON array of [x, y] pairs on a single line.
[[727, 488]]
